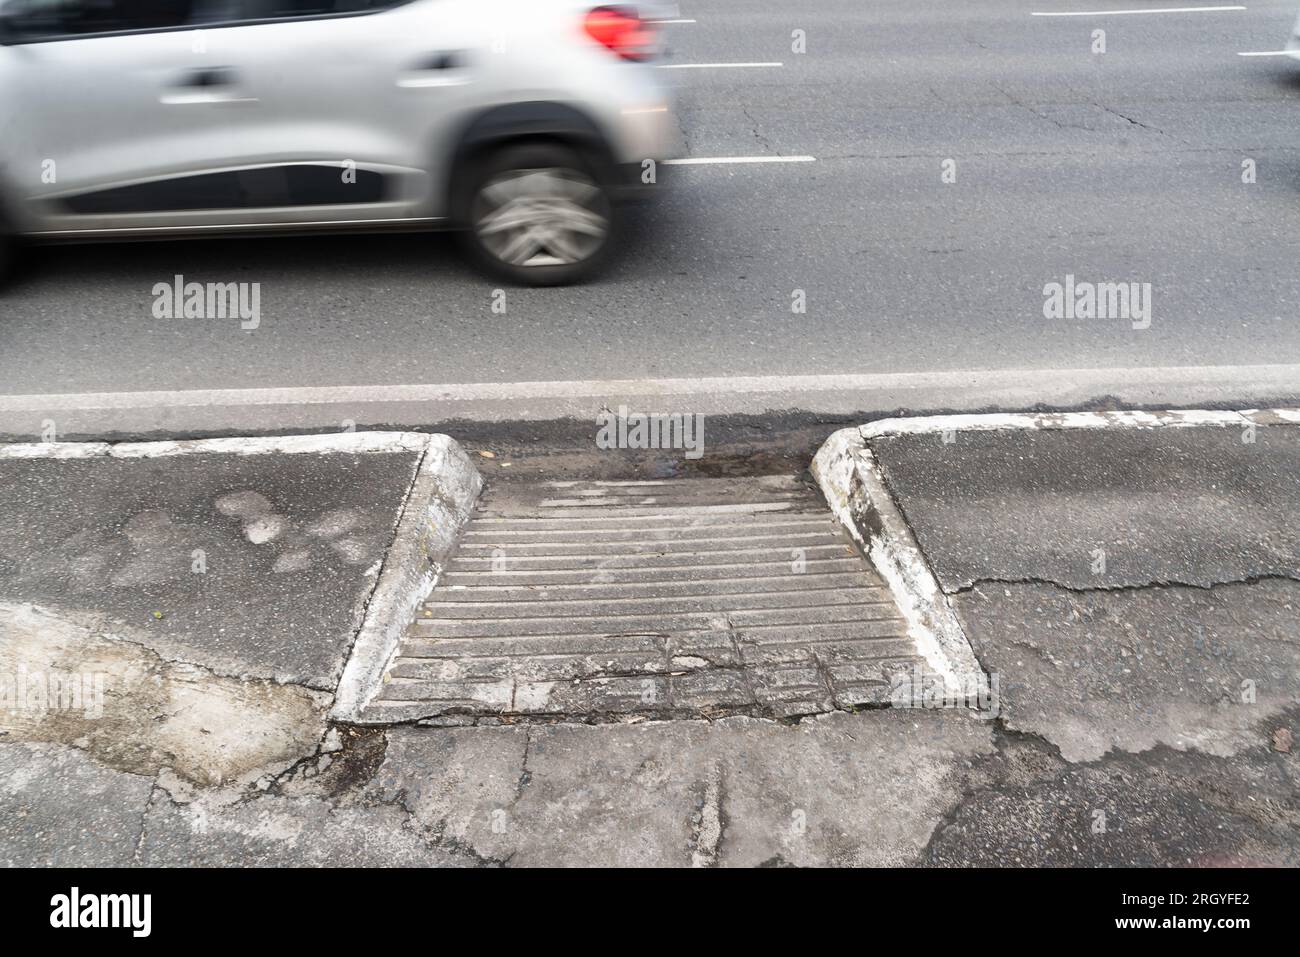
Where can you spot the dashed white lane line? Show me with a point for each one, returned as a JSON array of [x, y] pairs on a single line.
[[713, 66], [672, 21], [1122, 13], [1294, 53], [719, 160]]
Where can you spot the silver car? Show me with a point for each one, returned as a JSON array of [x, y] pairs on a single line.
[[521, 122]]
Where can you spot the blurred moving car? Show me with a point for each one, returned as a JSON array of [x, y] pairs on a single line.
[[521, 122]]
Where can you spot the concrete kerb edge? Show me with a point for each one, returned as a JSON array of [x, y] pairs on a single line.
[[437, 508], [855, 489], [355, 442], [1172, 418]]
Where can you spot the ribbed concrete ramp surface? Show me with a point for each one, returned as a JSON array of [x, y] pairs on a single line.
[[663, 598]]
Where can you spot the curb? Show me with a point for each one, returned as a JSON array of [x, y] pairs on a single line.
[[356, 442], [437, 508], [94, 415], [855, 489], [1050, 421]]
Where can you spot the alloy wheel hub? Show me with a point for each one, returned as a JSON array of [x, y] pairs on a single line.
[[541, 217]]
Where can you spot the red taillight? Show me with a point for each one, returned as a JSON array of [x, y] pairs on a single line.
[[622, 30]]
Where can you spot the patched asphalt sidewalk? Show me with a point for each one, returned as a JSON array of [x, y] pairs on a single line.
[[1130, 586], [1142, 712], [190, 607], [245, 565]]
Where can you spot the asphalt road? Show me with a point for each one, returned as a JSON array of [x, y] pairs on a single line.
[[1123, 166]]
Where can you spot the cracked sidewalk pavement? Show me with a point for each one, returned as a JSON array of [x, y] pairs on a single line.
[[877, 788], [246, 565], [165, 607], [1121, 739], [1130, 587]]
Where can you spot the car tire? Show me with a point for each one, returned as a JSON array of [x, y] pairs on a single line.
[[8, 250], [538, 215]]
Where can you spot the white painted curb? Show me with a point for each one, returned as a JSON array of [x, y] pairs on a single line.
[[355, 442], [855, 489], [437, 509], [1174, 418]]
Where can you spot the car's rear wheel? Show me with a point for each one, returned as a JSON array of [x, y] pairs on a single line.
[[8, 249], [539, 215]]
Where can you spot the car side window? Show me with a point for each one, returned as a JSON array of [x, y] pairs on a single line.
[[76, 18], [29, 20], [282, 9]]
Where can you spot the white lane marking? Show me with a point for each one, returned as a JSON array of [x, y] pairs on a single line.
[[712, 66], [671, 21], [1269, 377], [711, 160], [1121, 13], [1294, 53]]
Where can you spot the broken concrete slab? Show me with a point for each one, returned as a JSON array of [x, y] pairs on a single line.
[[188, 606], [861, 789], [98, 685], [275, 831], [1131, 669], [1161, 808], [458, 782], [884, 787]]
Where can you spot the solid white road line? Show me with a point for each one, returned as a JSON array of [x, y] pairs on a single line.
[[1279, 378], [1121, 13], [712, 66], [671, 21], [719, 160], [1294, 53]]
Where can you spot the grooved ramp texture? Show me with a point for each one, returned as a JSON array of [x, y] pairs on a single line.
[[674, 597]]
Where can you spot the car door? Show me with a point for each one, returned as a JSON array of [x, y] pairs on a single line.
[[116, 106], [352, 95], [227, 113]]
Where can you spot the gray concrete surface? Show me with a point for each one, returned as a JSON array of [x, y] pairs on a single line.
[[141, 712], [1123, 735], [246, 565], [61, 808], [1129, 587], [1100, 670], [1160, 808], [738, 791], [887, 788], [1194, 506], [679, 597]]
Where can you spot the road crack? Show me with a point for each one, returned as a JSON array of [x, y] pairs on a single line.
[[1155, 584]]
